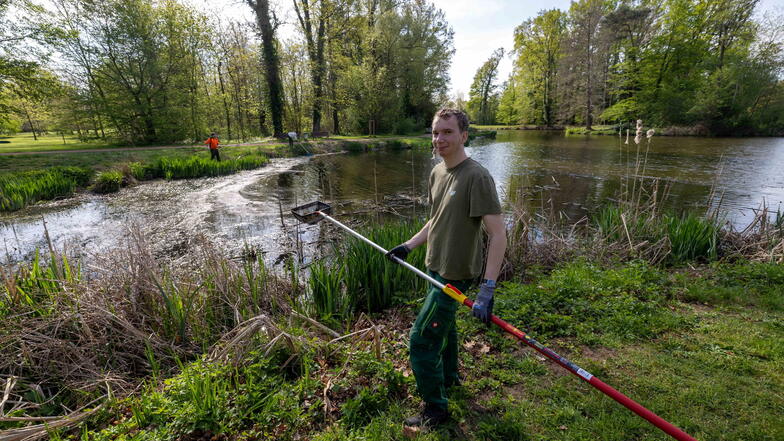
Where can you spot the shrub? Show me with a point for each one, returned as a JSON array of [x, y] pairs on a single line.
[[17, 190], [691, 237], [404, 126], [108, 182]]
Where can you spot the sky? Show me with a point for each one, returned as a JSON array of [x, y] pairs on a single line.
[[481, 26]]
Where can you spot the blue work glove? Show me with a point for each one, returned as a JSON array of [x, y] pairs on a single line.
[[483, 305], [400, 251]]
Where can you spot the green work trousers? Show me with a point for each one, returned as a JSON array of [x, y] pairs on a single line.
[[433, 343]]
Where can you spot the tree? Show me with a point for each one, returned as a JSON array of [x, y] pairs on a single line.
[[394, 65], [264, 20], [631, 29], [584, 61], [538, 44], [482, 100], [507, 105], [314, 18]]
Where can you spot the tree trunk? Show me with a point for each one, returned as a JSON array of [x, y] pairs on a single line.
[[589, 88], [315, 52], [30, 121], [223, 96], [261, 8]]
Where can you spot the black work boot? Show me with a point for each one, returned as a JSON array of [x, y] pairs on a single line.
[[431, 416]]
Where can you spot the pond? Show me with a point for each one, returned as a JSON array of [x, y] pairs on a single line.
[[572, 175]]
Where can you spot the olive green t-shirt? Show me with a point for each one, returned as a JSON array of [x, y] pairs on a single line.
[[459, 197]]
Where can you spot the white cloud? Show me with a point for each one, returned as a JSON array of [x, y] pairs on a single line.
[[473, 49]]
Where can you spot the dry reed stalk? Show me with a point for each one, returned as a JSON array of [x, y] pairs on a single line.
[[41, 431]]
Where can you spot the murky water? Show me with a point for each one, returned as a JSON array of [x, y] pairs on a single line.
[[572, 175]]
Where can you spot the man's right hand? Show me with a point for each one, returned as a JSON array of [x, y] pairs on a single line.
[[401, 252]]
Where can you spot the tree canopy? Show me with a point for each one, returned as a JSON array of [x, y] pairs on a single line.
[[706, 63], [144, 71]]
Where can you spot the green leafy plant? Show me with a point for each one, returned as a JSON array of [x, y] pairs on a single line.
[[17, 190], [108, 182]]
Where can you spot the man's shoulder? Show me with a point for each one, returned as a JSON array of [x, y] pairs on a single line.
[[437, 169], [475, 168]]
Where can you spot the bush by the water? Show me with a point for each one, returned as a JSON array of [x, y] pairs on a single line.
[[17, 190], [195, 167], [688, 236], [108, 181], [359, 278]]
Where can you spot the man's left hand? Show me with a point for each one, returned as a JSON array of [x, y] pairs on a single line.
[[483, 306]]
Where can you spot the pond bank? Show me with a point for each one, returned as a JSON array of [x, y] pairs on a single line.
[[666, 336], [29, 185], [612, 130]]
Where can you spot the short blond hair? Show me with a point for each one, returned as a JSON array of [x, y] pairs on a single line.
[[446, 113]]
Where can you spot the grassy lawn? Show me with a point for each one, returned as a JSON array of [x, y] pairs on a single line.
[[105, 160], [24, 142], [102, 160], [712, 368], [596, 129], [502, 127]]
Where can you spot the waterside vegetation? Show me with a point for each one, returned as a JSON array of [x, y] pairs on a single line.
[[212, 347], [29, 183]]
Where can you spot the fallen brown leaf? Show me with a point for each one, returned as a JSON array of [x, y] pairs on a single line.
[[410, 432]]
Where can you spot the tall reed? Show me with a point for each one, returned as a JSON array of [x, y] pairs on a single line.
[[327, 291], [108, 182], [195, 167], [17, 190], [372, 281]]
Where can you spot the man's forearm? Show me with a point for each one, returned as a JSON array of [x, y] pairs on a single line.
[[495, 256], [419, 238], [496, 231]]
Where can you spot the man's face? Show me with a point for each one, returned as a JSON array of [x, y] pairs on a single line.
[[447, 137]]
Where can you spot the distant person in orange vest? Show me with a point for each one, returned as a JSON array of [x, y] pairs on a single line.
[[212, 141]]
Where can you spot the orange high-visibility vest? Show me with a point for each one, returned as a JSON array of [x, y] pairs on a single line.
[[213, 143]]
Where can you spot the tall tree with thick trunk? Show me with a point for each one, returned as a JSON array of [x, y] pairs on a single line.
[[264, 19], [482, 95], [584, 51], [538, 47], [314, 19]]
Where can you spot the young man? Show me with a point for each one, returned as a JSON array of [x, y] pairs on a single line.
[[212, 141], [463, 199]]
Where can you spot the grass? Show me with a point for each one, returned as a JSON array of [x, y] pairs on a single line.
[[20, 189], [372, 283], [357, 278], [17, 190], [696, 371], [133, 316], [687, 236], [503, 127], [24, 142], [108, 160], [108, 182], [635, 296], [197, 166], [596, 129]]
